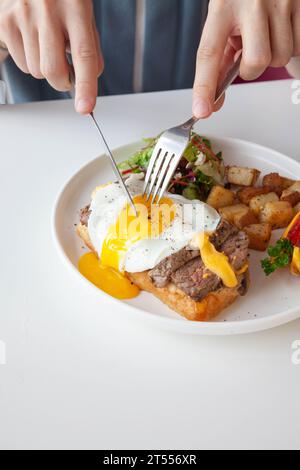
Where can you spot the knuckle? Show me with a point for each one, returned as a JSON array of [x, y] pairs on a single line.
[[81, 83], [217, 5], [203, 90], [6, 24], [23, 10], [206, 52], [85, 52], [46, 6], [285, 6]]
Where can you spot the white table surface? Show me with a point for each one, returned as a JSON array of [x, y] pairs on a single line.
[[79, 375]]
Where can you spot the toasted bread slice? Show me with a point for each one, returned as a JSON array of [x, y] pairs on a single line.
[[175, 298]]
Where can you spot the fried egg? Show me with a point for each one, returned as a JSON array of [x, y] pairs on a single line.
[[135, 244]]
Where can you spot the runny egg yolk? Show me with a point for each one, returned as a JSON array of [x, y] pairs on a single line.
[[107, 279], [151, 220], [216, 262]]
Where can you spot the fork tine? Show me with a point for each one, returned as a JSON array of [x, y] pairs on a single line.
[[168, 176], [156, 171], [153, 159], [161, 175]]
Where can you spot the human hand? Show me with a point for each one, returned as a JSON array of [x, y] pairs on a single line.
[[37, 33], [268, 32]]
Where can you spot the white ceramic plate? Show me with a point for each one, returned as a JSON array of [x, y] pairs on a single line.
[[270, 301]]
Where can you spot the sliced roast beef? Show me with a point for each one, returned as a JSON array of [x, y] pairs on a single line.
[[84, 215], [161, 274], [224, 230], [244, 284], [236, 248], [195, 280]]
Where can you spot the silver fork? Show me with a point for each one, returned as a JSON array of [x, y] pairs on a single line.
[[172, 144]]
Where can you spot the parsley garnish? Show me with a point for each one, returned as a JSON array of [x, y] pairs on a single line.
[[280, 256]]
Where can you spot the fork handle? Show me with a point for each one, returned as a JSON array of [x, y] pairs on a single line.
[[231, 75]]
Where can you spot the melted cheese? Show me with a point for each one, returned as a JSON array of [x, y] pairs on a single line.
[[216, 262]]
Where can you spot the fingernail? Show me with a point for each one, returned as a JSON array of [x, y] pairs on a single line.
[[201, 108], [84, 106]]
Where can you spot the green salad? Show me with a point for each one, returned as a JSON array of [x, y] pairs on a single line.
[[198, 171]]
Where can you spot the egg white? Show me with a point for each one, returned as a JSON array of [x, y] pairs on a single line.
[[191, 218]]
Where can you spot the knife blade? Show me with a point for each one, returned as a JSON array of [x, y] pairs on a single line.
[[111, 157]]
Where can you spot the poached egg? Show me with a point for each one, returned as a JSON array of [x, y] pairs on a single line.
[[125, 242]]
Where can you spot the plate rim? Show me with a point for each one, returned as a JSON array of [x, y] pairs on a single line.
[[225, 328]]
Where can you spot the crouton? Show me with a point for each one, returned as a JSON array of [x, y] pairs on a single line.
[[244, 218], [278, 214], [274, 182], [242, 176], [220, 197], [230, 212], [246, 194], [290, 194], [257, 203], [259, 236]]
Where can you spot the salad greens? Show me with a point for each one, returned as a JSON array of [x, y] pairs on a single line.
[[280, 256], [198, 171]]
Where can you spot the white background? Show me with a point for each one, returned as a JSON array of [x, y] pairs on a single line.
[[78, 374]]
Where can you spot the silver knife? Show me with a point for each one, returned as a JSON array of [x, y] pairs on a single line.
[[112, 160]]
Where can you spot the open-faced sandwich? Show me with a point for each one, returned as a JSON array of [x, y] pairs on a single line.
[[181, 251], [191, 250]]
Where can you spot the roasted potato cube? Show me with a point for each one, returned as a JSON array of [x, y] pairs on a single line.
[[292, 194], [278, 214], [246, 194], [230, 211], [244, 218], [242, 176], [274, 182], [259, 236], [287, 182], [220, 197], [257, 203], [292, 198]]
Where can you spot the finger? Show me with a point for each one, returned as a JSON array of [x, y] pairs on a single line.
[[209, 60], [32, 51], [100, 61], [281, 35], [53, 62], [85, 59], [14, 43], [296, 33], [256, 44]]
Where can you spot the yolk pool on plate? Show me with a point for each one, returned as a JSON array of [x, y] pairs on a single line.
[[107, 279], [150, 222]]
